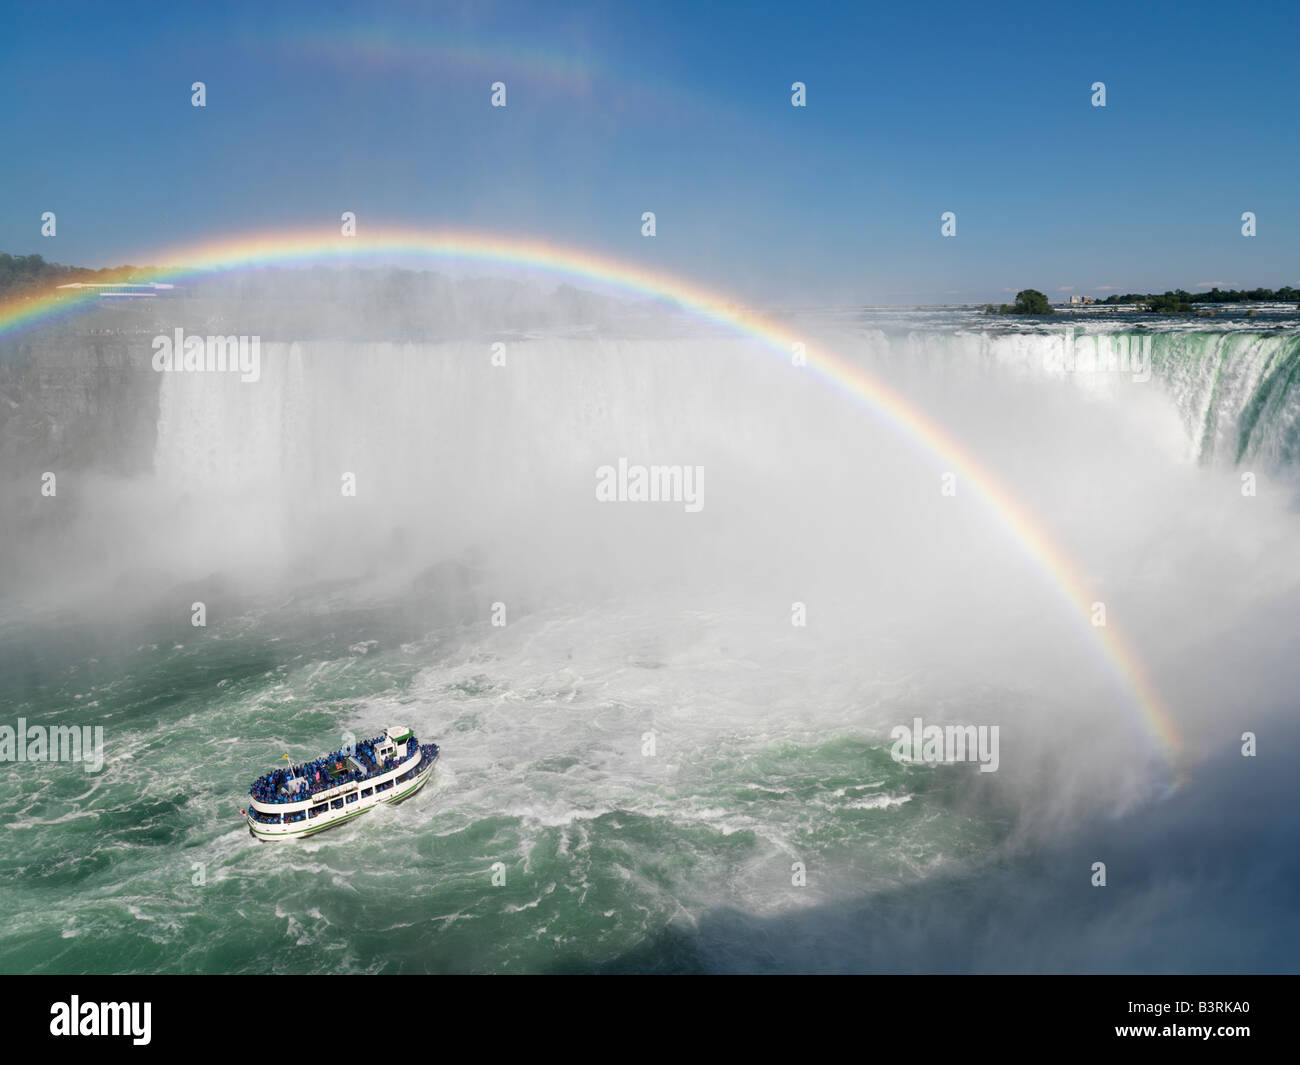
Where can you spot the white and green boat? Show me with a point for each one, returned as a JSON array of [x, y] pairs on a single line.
[[309, 798]]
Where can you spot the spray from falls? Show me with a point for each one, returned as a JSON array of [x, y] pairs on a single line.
[[762, 646]]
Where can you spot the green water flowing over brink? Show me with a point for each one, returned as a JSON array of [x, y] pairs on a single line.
[[770, 751], [1236, 391]]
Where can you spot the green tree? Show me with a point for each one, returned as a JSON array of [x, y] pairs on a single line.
[[1029, 301]]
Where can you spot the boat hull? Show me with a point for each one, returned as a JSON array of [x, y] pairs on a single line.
[[332, 818]]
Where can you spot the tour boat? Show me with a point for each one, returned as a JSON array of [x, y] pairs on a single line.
[[306, 799]]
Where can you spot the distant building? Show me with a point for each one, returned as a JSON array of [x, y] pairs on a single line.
[[1082, 299]]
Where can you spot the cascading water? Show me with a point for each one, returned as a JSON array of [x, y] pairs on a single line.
[[652, 718], [1236, 392]]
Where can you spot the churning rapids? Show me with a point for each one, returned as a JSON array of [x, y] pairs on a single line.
[[648, 763]]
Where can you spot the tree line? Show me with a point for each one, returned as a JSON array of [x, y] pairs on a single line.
[[1286, 294], [20, 273], [1031, 301]]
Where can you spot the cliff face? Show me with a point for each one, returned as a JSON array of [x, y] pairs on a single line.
[[79, 395], [78, 399]]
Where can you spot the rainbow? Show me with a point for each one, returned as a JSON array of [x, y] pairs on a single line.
[[304, 246]]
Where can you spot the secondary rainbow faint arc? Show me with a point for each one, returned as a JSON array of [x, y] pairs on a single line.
[[303, 245]]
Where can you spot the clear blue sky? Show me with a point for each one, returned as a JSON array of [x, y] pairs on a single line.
[[682, 109]]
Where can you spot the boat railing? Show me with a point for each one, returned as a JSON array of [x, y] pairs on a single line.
[[328, 791]]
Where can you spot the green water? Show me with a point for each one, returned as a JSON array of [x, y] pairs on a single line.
[[546, 841], [554, 835]]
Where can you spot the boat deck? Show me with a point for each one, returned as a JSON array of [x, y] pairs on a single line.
[[323, 778]]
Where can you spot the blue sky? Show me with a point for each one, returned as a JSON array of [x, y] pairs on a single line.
[[682, 109]]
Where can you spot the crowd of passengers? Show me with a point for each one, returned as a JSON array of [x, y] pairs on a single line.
[[316, 775], [428, 750]]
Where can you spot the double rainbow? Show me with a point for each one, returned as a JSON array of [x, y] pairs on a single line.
[[303, 246]]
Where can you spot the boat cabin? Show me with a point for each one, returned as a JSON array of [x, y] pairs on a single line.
[[388, 747]]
